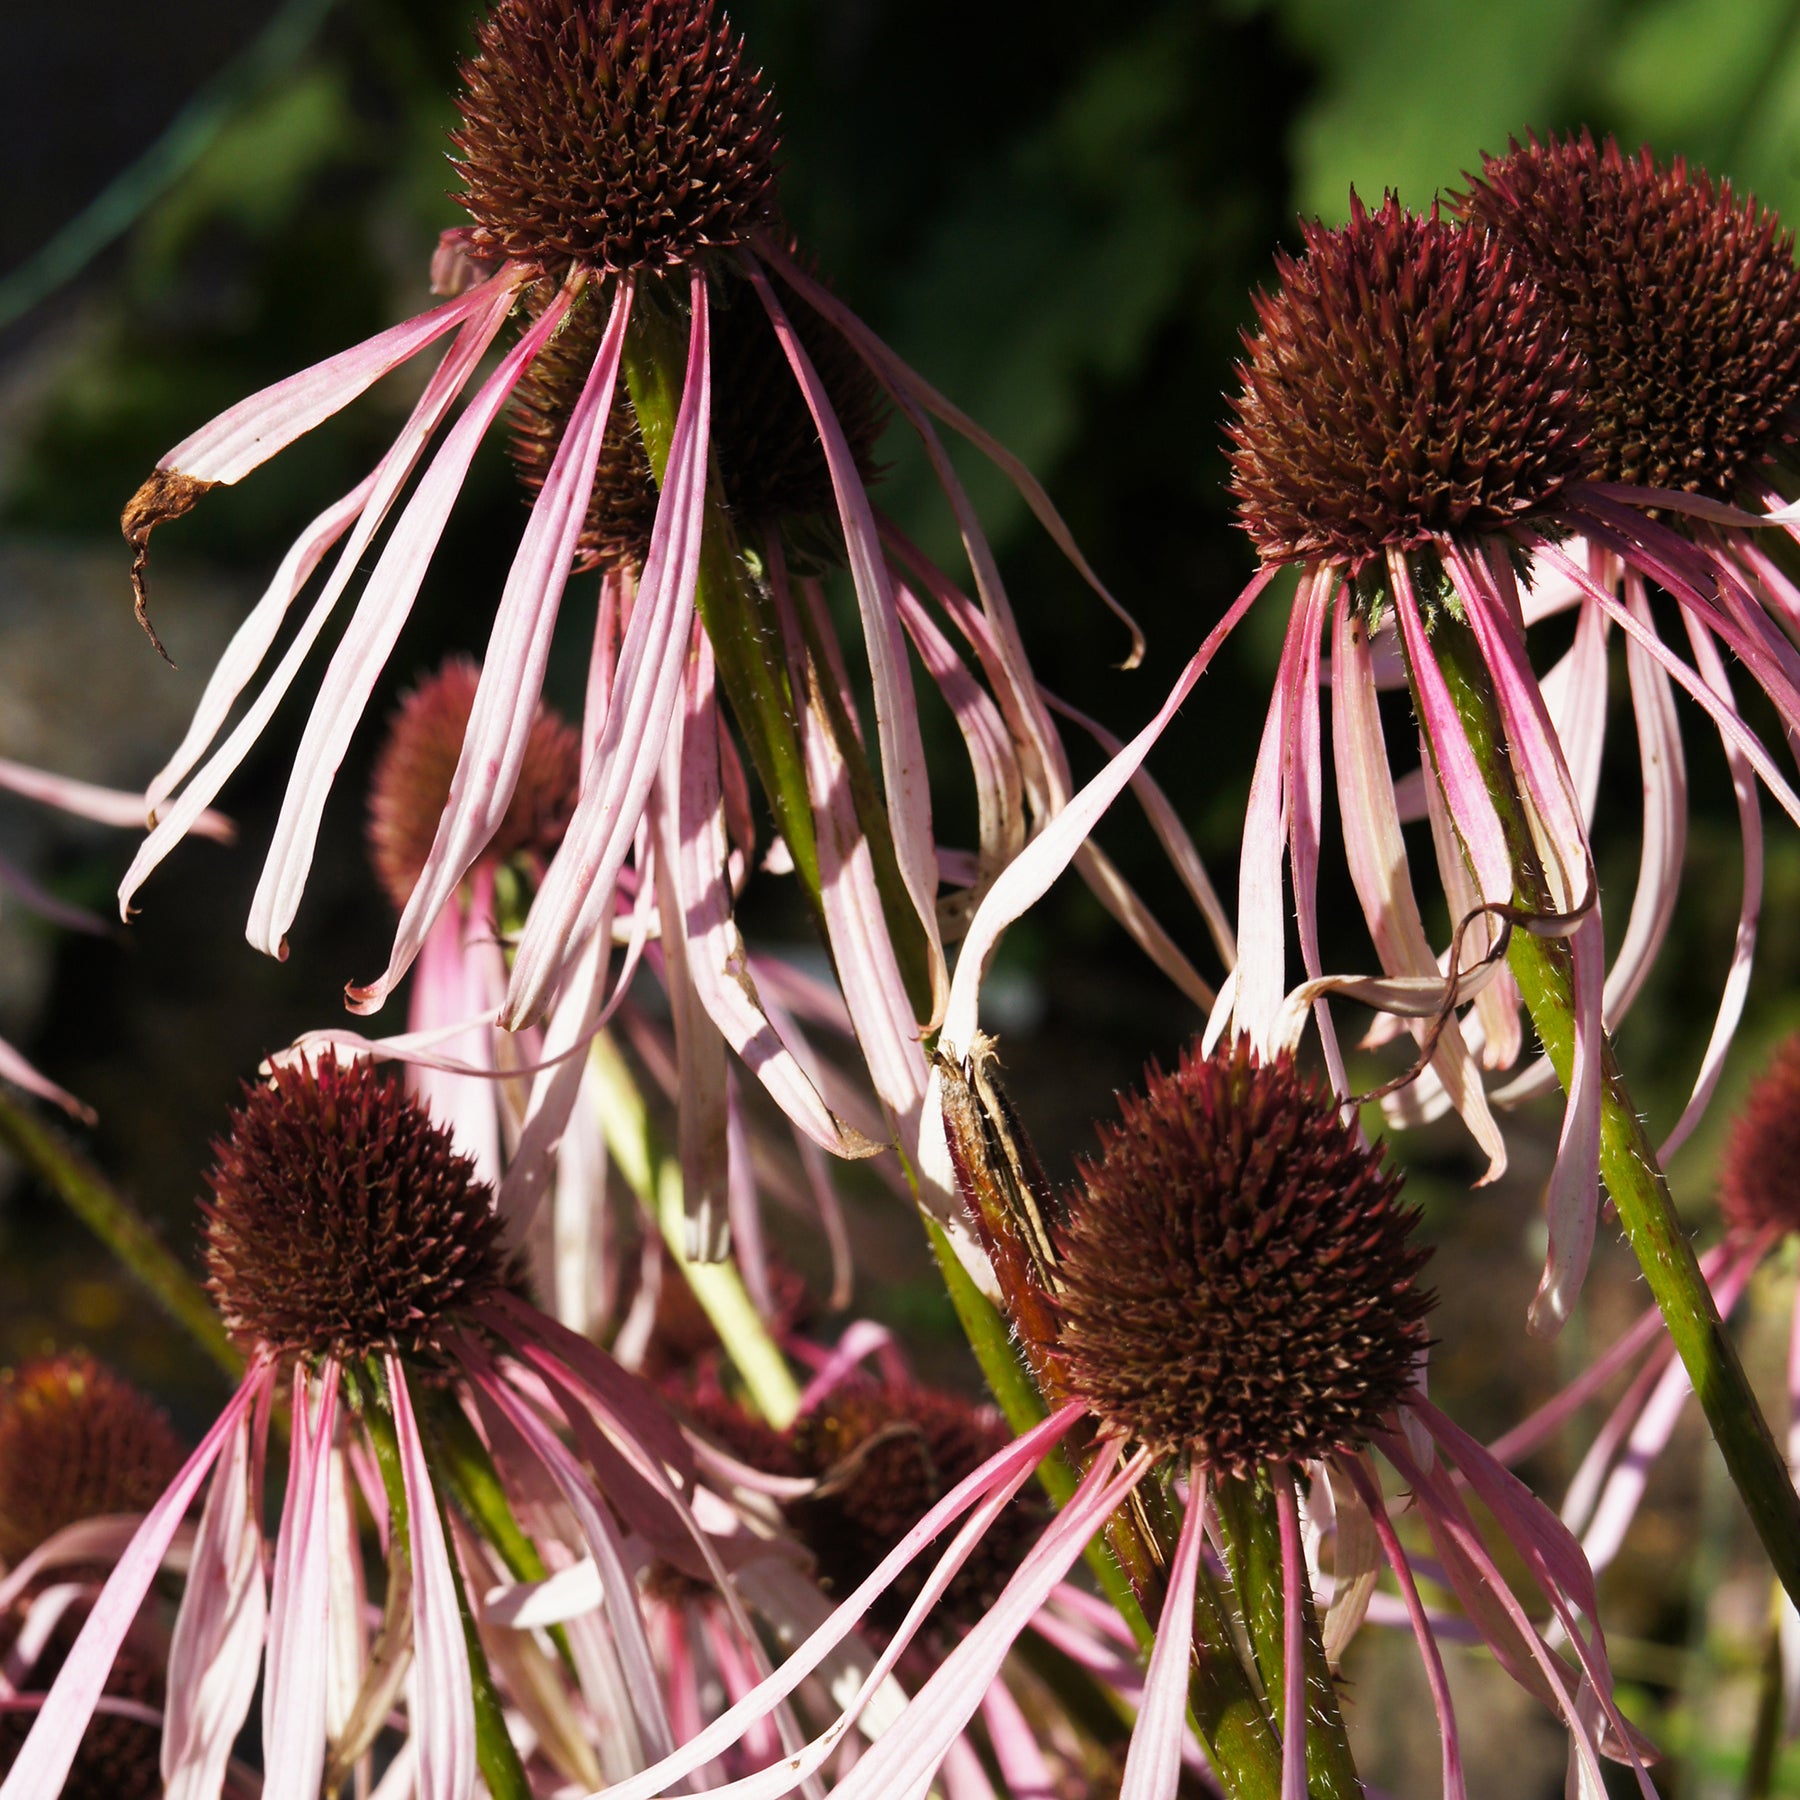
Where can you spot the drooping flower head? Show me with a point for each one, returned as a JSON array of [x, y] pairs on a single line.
[[1231, 1289], [1239, 1281], [351, 1249]]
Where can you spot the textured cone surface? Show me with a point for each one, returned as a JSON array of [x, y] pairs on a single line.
[[771, 465], [343, 1221], [1406, 382], [1759, 1178], [612, 134], [1683, 299], [118, 1758], [1240, 1284], [76, 1443], [884, 1457], [418, 760]]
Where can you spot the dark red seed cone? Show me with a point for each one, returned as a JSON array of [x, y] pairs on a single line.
[[1240, 1282], [612, 134], [1683, 300], [413, 773], [1759, 1176], [342, 1221], [1406, 382]]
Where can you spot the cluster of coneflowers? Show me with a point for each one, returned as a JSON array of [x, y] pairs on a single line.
[[575, 1494]]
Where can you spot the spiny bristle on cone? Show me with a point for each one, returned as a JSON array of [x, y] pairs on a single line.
[[1759, 1176], [343, 1221], [1240, 1282], [883, 1458], [1683, 299], [418, 759], [612, 134], [772, 467], [1405, 383], [76, 1442]]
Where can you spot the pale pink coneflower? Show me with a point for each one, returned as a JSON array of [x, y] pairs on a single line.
[[618, 162], [1232, 1290], [356, 1261]]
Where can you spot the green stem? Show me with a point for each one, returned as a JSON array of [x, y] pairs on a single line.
[[1541, 967], [118, 1225], [1225, 1712], [1252, 1533], [1766, 1734], [655, 1177]]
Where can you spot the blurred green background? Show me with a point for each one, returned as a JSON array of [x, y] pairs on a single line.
[[1058, 213]]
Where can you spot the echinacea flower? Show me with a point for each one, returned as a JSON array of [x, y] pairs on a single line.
[[1232, 1290], [83, 1454], [618, 165], [354, 1258], [1683, 300]]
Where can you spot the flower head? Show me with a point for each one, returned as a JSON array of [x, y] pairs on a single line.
[[1759, 1176], [76, 1442], [615, 135], [1406, 384], [1239, 1283], [1682, 298]]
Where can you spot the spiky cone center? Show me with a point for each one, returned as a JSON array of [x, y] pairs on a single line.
[[418, 760], [343, 1222], [1240, 1281], [612, 135], [76, 1442], [1405, 383], [1759, 1175], [883, 1457], [1683, 300], [119, 1758], [772, 471]]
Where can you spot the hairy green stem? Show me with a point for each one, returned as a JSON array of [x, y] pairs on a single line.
[[1541, 967], [119, 1226]]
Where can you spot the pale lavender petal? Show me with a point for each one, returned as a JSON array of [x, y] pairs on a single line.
[[1030, 876], [1022, 1765], [443, 1709], [216, 1651], [15, 1068], [257, 427], [45, 1757], [447, 382], [578, 886], [370, 638], [85, 800], [1293, 1641], [252, 640], [299, 1623], [902, 380], [862, 1339], [1576, 698], [512, 672], [1153, 1762], [905, 780]]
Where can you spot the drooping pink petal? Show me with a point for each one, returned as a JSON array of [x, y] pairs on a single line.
[[1572, 1204], [644, 694], [45, 1757], [1022, 1765], [86, 800], [20, 1072], [1471, 806], [716, 961], [862, 1339], [443, 1709], [1376, 853], [299, 1620], [216, 1651], [512, 671], [1576, 698], [253, 430], [1153, 1762], [252, 640], [1030, 876], [391, 474], [1375, 1507], [1293, 1641], [370, 638]]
